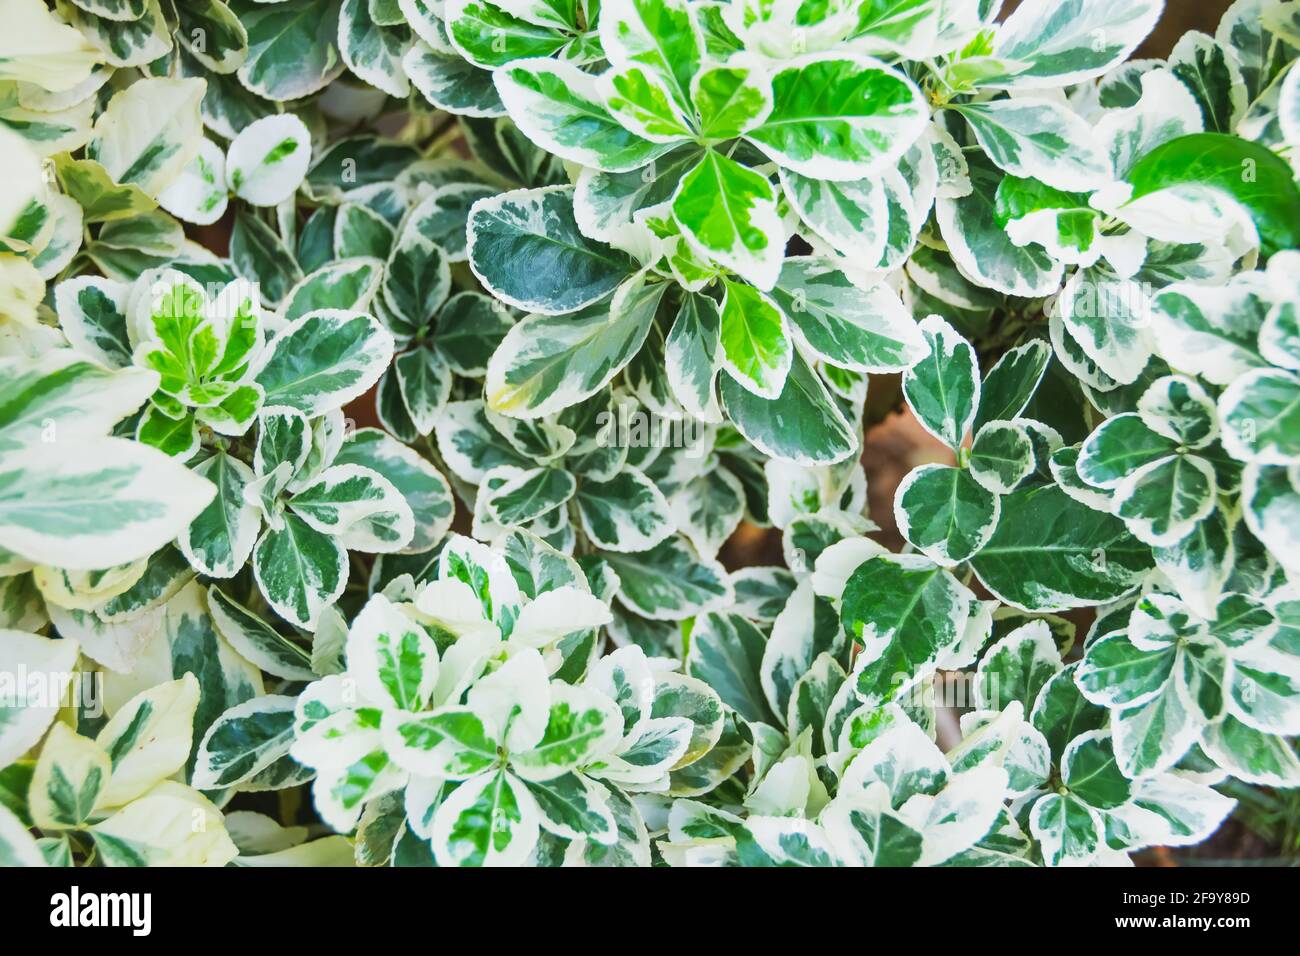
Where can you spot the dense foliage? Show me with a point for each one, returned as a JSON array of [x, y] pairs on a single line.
[[610, 279]]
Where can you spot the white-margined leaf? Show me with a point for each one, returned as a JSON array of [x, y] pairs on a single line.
[[840, 117], [802, 425], [1049, 552], [323, 360], [526, 248], [906, 611], [248, 747], [943, 388], [1039, 139], [626, 513], [268, 159], [292, 48], [1058, 44], [546, 363], [864, 331], [945, 512], [24, 721], [560, 108]]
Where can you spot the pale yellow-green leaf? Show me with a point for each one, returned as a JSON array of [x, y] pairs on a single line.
[[149, 739]]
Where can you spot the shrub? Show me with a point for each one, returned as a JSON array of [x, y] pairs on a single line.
[[293, 289]]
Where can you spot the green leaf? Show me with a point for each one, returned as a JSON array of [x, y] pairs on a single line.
[[575, 807], [342, 284], [670, 582], [1261, 417], [299, 570], [220, 538], [1110, 320], [1198, 566], [417, 278], [513, 497], [450, 82], [1002, 456], [1050, 553], [442, 216], [199, 193], [1211, 71], [100, 197], [490, 37], [70, 775], [905, 27], [726, 652], [582, 725], [626, 513], [1017, 667], [708, 509], [729, 212], [850, 217], [358, 506], [980, 246], [355, 162], [450, 742], [761, 592], [1252, 756], [657, 35], [22, 724], [840, 117], [259, 256], [361, 231], [1270, 498], [1215, 161], [92, 315], [640, 101], [691, 356], [470, 327], [1261, 691], [254, 639], [1151, 737], [756, 351], [224, 44], [863, 331], [391, 658], [802, 425], [373, 51], [1061, 713], [1121, 446], [248, 747], [1069, 831], [423, 487], [730, 100], [1162, 502], [148, 738]]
